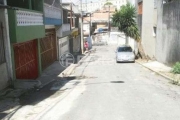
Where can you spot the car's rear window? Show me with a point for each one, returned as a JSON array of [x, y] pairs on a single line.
[[124, 49]]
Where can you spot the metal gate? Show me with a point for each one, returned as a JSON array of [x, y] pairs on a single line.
[[48, 49], [25, 55], [2, 52]]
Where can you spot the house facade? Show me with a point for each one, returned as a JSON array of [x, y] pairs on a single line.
[[34, 27], [26, 27], [34, 34], [53, 22], [147, 22], [158, 22], [168, 43], [73, 17]]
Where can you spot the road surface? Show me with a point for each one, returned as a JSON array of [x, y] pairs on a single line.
[[107, 90]]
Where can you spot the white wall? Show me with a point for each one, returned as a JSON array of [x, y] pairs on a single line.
[[63, 45], [117, 38], [148, 40]]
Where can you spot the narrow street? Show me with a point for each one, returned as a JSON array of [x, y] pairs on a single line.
[[47, 72], [106, 90]]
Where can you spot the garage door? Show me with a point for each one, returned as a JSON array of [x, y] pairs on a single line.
[[25, 57], [48, 49]]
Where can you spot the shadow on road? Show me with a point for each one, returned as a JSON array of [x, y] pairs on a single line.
[[117, 81]]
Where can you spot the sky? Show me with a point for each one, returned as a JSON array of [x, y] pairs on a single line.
[[78, 1]]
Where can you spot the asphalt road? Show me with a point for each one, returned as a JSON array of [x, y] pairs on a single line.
[[107, 90]]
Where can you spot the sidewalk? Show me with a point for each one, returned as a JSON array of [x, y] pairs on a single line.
[[10, 99], [161, 69]]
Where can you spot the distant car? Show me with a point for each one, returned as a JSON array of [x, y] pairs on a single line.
[[125, 53]]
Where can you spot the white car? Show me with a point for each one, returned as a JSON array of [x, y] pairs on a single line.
[[125, 53]]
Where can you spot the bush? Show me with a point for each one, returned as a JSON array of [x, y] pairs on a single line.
[[176, 68]]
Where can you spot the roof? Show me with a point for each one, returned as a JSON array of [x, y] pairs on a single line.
[[68, 7], [98, 17]]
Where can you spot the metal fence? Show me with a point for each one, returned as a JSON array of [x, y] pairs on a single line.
[[2, 52]]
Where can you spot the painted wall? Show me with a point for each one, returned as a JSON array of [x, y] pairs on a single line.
[[23, 33], [63, 45], [168, 32], [3, 67], [147, 37], [76, 44]]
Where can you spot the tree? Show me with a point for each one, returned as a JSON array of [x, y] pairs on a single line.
[[124, 19], [108, 3]]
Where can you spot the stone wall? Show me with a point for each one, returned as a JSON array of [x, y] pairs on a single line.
[[168, 32]]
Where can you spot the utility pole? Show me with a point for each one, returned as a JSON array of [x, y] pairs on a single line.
[[82, 38], [109, 22], [90, 21], [71, 22], [90, 25]]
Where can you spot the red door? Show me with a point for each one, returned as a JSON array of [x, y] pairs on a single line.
[[26, 64]]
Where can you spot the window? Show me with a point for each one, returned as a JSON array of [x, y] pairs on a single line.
[[140, 8], [154, 31], [124, 49]]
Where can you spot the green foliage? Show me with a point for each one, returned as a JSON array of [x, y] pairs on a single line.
[[176, 68], [108, 3], [124, 19]]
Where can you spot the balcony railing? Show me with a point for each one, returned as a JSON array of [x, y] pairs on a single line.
[[52, 12], [25, 24], [28, 18]]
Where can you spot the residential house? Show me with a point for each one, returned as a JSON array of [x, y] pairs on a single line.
[[168, 31], [73, 18], [53, 22], [34, 27], [160, 35], [63, 40], [26, 28], [147, 21], [101, 18]]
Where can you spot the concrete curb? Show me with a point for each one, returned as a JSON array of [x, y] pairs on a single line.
[[83, 59], [68, 71], [165, 76]]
